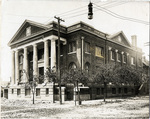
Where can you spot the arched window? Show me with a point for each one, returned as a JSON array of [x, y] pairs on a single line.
[[87, 67], [72, 65]]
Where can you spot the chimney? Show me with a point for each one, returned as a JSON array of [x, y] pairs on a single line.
[[134, 40]]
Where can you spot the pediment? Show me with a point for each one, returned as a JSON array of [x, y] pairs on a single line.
[[33, 28], [120, 38]]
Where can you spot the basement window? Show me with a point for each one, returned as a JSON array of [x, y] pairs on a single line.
[[98, 91], [47, 91], [125, 90], [27, 92], [18, 91], [113, 90], [12, 91], [37, 92]]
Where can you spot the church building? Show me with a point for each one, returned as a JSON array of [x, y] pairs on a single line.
[[34, 46]]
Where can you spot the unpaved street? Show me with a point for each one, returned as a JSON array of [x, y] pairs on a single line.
[[132, 107]]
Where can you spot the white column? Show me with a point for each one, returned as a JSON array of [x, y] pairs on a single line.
[[13, 68], [25, 64], [53, 54], [16, 67], [35, 60], [46, 55]]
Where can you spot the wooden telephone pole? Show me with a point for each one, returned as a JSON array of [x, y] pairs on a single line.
[[58, 65]]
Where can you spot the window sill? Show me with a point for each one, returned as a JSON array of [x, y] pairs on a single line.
[[87, 53], [100, 56], [113, 59], [124, 62], [71, 52], [38, 96], [27, 96], [118, 61]]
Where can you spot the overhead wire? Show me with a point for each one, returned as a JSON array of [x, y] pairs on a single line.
[[119, 16], [95, 10]]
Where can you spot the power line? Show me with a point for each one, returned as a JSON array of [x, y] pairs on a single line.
[[95, 10], [74, 10], [119, 16]]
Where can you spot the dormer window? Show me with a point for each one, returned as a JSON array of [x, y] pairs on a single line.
[[28, 31]]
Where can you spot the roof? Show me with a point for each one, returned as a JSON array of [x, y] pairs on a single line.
[[116, 34]]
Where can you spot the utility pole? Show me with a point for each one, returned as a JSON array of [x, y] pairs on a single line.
[[58, 65]]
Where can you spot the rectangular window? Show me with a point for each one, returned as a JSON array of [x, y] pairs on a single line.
[[99, 51], [18, 91], [133, 60], [47, 91], [119, 56], [28, 31], [113, 90], [12, 91], [119, 90], [72, 46], [27, 92], [37, 92], [98, 91], [113, 55], [87, 47], [40, 54], [125, 90], [124, 58]]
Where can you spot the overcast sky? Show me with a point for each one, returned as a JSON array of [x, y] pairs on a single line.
[[14, 12]]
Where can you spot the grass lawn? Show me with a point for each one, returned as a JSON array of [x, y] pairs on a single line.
[[132, 107]]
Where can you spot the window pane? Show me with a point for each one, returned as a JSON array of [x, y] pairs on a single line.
[[37, 92], [99, 51], [47, 90], [119, 56], [87, 47], [72, 46], [18, 91], [124, 58], [113, 54]]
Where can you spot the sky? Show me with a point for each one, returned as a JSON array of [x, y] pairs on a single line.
[[15, 12]]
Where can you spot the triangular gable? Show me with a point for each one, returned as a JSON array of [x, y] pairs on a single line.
[[120, 38], [21, 32]]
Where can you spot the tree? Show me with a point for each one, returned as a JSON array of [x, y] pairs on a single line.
[[129, 75], [32, 82], [51, 76], [104, 75], [75, 76]]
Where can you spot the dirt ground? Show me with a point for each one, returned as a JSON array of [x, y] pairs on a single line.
[[114, 108]]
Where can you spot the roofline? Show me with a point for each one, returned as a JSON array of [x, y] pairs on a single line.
[[26, 21]]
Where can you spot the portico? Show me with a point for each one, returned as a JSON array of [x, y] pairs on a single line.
[[49, 46]]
